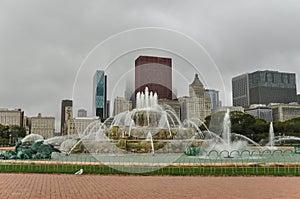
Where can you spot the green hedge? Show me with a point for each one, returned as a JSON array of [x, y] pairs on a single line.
[[182, 171]]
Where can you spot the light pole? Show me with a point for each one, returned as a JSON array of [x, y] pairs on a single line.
[[9, 139]]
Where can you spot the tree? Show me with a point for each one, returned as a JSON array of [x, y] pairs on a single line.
[[17, 131], [11, 133]]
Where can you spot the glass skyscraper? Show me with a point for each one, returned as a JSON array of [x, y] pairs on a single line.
[[100, 93]]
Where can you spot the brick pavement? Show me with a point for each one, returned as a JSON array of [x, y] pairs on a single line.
[[113, 186]]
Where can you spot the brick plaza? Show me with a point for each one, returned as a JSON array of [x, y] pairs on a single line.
[[114, 186]]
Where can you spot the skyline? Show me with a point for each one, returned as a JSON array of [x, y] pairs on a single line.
[[43, 46]]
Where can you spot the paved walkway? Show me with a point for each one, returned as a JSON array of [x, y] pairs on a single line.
[[97, 186]]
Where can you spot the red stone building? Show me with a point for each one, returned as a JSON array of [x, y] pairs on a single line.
[[154, 73]]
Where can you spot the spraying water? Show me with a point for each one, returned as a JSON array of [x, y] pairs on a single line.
[[149, 138], [271, 135], [145, 100], [226, 134]]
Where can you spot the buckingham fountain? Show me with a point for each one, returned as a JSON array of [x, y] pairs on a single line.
[[152, 134], [148, 129], [153, 129]]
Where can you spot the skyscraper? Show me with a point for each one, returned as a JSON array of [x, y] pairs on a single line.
[[129, 90], [66, 114], [213, 95], [100, 95], [154, 73], [196, 106], [264, 87]]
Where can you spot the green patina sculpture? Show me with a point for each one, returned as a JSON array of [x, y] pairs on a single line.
[[297, 149], [192, 150], [38, 150]]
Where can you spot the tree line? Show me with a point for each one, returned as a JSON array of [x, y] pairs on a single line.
[[10, 134], [255, 129]]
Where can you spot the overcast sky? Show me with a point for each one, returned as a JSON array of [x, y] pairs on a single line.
[[44, 45]]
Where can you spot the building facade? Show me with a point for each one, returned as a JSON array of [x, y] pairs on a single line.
[[66, 115], [44, 126], [121, 105], [12, 117], [240, 91], [154, 73], [283, 112], [129, 91], [264, 87], [230, 108], [79, 124], [82, 113], [100, 107], [260, 111], [196, 106], [174, 104]]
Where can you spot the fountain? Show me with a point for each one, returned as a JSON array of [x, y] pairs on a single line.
[[271, 134], [149, 128], [32, 146], [270, 145], [225, 143], [154, 129], [149, 138], [226, 134], [277, 139]]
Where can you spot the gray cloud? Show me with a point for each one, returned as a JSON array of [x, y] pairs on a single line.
[[42, 43]]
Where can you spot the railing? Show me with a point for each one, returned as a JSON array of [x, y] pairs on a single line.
[[254, 162]]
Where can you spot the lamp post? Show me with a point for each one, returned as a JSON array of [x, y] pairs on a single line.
[[9, 139]]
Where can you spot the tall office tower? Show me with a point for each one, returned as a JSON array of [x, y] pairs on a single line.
[[213, 95], [66, 114], [129, 90], [81, 113], [196, 88], [100, 107], [264, 87], [196, 106], [154, 73], [107, 111]]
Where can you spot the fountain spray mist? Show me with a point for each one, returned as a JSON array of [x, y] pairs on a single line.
[[271, 135], [226, 134]]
